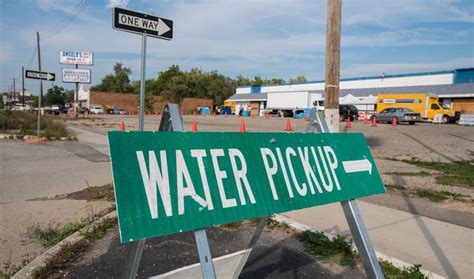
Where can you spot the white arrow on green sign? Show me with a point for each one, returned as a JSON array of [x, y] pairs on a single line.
[[168, 182]]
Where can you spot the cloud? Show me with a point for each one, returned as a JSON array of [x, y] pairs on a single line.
[[116, 3]]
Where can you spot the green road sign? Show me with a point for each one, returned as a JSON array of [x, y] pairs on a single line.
[[167, 182]]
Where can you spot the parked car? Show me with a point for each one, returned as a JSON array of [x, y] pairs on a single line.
[[120, 111], [350, 111], [401, 114], [96, 110], [110, 111]]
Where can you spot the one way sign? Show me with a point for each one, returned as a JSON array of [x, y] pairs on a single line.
[[141, 23], [40, 75]]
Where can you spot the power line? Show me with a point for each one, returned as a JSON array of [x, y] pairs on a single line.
[[67, 20]]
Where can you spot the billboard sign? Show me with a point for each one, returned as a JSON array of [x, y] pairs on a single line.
[[76, 57], [77, 75]]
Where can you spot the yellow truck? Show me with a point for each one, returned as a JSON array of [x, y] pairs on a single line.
[[426, 105]]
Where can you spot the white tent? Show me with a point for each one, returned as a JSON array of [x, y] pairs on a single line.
[[349, 99]]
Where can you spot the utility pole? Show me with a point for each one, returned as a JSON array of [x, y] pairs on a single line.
[[333, 50], [14, 91], [23, 85], [38, 134]]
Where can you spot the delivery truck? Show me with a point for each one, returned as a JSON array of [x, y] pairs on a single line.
[[289, 102], [427, 105]]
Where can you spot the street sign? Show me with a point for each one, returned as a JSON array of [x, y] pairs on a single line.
[[76, 57], [141, 23], [77, 75], [173, 182], [40, 75]]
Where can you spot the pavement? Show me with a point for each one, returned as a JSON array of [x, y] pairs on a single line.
[[31, 176], [440, 247]]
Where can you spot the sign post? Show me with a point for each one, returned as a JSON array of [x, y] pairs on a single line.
[[145, 25], [41, 76]]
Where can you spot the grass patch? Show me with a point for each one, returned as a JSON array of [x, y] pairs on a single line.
[[421, 173], [456, 174], [391, 271], [104, 192], [394, 187], [337, 250], [53, 235], [62, 261], [97, 231], [24, 123], [234, 225], [439, 196]]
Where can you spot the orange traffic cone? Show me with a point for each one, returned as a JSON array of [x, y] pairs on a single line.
[[348, 123], [251, 114], [288, 126], [266, 115], [340, 118], [242, 126], [374, 121], [394, 121], [156, 114], [214, 114], [122, 126], [195, 113], [366, 121], [195, 128], [306, 117]]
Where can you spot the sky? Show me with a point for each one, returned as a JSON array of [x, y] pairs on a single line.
[[270, 38]]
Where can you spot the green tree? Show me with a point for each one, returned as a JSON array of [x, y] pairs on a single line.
[[176, 89], [57, 96], [298, 79], [117, 82]]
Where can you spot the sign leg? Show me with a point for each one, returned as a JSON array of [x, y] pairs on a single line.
[[253, 242], [133, 259], [361, 239], [207, 266]]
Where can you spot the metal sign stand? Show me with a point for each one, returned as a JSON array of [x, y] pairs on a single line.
[[172, 121], [352, 214]]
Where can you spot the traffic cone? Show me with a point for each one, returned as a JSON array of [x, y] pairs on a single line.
[[394, 121], [195, 128], [194, 113], [348, 123], [366, 121], [214, 114], [340, 118], [251, 114], [242, 126], [156, 114], [266, 115], [374, 121], [122, 126], [288, 126], [306, 117]]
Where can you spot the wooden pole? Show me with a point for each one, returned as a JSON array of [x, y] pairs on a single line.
[[333, 49]]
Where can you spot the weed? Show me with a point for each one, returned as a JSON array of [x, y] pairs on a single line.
[[234, 225], [421, 173], [63, 260], [391, 271], [99, 230], [394, 187], [337, 250], [53, 235], [10, 269]]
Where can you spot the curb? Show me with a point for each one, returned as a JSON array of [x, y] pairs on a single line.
[[41, 260], [396, 262]]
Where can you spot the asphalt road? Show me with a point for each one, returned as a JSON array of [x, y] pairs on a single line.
[[277, 255]]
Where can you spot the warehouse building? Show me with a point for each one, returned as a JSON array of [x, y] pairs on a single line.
[[455, 88]]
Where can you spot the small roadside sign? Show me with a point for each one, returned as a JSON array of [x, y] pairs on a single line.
[[168, 182], [77, 75], [76, 57], [141, 23], [40, 75]]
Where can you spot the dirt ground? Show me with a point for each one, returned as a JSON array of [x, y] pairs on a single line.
[[423, 141]]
